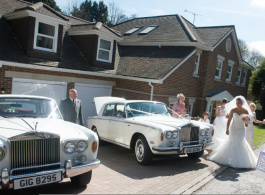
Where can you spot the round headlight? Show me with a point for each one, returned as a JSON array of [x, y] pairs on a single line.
[[168, 134], [207, 132], [81, 146], [69, 147], [175, 134], [203, 133], [2, 154]]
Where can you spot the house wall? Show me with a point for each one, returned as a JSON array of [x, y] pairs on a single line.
[[24, 29], [88, 44]]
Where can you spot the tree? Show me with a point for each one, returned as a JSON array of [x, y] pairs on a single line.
[[262, 97], [50, 3], [251, 56], [116, 14]]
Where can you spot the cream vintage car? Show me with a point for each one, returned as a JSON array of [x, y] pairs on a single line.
[[148, 129], [38, 147]]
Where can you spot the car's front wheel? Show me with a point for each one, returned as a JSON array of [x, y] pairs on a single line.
[[143, 153], [196, 155], [101, 142], [82, 180]]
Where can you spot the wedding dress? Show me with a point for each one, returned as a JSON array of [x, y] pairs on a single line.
[[235, 151], [219, 129]]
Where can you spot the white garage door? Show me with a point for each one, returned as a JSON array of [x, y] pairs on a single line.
[[51, 89], [86, 93]]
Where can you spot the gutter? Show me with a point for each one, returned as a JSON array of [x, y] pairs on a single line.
[[36, 67], [152, 90]]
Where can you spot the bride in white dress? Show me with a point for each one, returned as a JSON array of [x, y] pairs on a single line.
[[235, 151]]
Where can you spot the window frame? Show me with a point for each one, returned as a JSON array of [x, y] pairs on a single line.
[[238, 82], [110, 51], [55, 38], [196, 71], [228, 44], [230, 77], [244, 81], [220, 73]]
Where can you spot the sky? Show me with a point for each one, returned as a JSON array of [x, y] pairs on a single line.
[[248, 16]]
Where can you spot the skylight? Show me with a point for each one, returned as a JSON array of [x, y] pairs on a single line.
[[148, 29], [133, 30]]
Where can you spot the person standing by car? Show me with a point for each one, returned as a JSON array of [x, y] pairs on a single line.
[[179, 106], [205, 117], [71, 108]]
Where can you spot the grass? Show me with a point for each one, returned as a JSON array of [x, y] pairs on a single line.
[[259, 135]]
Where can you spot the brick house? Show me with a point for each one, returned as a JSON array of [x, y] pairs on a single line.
[[44, 52]]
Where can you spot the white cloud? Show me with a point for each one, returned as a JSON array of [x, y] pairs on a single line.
[[230, 11], [158, 12], [258, 45], [258, 3]]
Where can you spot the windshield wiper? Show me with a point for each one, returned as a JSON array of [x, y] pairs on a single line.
[[27, 116], [156, 112]]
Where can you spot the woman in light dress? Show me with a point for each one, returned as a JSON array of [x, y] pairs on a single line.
[[205, 117], [235, 151], [250, 127], [179, 106], [219, 127]]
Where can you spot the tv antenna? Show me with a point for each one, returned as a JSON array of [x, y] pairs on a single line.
[[194, 14]]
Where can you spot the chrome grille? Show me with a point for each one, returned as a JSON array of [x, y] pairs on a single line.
[[31, 156], [189, 133]]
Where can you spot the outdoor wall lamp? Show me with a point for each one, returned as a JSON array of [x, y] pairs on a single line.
[[3, 90]]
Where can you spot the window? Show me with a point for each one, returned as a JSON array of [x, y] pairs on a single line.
[[45, 36], [148, 29], [229, 72], [244, 76], [119, 111], [197, 63], [104, 50], [238, 77], [218, 71], [109, 110], [228, 45], [133, 30]]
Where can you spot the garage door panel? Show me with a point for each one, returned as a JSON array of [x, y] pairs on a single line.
[[49, 89], [86, 93]]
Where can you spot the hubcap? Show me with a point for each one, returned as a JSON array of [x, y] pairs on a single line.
[[139, 150]]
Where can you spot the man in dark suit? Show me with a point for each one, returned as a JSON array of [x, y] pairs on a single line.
[[71, 108]]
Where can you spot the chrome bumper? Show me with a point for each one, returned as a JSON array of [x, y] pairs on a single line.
[[181, 147], [6, 180]]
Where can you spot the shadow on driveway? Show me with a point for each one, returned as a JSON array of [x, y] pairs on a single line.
[[123, 160]]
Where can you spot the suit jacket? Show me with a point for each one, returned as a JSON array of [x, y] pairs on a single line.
[[70, 112]]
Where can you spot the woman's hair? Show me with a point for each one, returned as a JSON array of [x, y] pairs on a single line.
[[180, 95], [252, 105], [224, 101], [205, 113], [239, 99]]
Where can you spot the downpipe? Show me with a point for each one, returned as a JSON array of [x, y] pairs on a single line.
[[152, 90]]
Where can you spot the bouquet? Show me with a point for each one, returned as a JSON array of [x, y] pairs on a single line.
[[245, 119]]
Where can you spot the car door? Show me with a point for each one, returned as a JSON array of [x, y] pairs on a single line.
[[117, 125], [103, 121]]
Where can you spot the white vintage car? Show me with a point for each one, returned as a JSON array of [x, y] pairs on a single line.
[[148, 128], [38, 147]]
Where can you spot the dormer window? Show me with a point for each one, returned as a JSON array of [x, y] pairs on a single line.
[[148, 29], [133, 30], [105, 48], [45, 36]]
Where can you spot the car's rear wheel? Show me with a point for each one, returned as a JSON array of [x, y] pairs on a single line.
[[101, 142], [196, 155], [143, 153], [82, 180]]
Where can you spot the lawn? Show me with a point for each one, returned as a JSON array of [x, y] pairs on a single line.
[[259, 135]]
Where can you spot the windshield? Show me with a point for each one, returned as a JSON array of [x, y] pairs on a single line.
[[145, 109], [27, 107]]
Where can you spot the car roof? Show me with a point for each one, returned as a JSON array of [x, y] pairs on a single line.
[[25, 96]]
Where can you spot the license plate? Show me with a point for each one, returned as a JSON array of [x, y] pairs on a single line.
[[36, 181], [192, 150]]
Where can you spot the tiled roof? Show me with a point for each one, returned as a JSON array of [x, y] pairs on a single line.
[[94, 26], [215, 92], [171, 29]]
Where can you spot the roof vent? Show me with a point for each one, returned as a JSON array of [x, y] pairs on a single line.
[[148, 29], [133, 30]]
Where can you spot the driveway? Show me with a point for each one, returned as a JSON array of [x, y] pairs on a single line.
[[120, 173]]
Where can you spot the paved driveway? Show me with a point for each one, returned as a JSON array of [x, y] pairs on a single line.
[[120, 173]]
